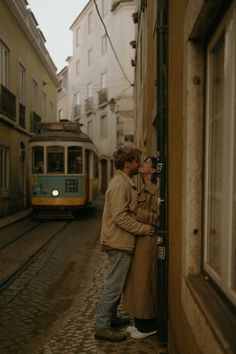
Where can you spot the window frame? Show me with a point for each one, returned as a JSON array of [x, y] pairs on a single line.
[[5, 67], [226, 30]]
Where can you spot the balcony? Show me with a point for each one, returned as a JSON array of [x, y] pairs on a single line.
[[21, 116], [89, 105], [7, 103], [35, 119], [102, 97], [77, 111]]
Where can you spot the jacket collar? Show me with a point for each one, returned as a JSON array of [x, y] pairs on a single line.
[[126, 177], [151, 189]]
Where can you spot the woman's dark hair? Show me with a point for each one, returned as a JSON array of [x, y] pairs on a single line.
[[154, 161]]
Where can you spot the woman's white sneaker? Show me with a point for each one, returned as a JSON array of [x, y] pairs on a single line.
[[140, 335], [131, 329]]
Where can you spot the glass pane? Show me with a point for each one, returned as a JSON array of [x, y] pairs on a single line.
[[37, 160], [75, 159], [55, 159], [215, 192]]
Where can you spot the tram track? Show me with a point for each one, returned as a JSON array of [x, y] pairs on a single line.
[[19, 253]]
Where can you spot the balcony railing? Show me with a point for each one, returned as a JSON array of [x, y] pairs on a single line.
[[35, 119], [77, 111], [7, 103], [102, 96], [21, 116], [89, 105]]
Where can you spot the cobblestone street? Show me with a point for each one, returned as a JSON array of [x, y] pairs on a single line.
[[50, 307]]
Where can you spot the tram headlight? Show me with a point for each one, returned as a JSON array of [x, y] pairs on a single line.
[[55, 192]]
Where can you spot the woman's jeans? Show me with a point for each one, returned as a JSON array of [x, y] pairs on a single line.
[[119, 263]]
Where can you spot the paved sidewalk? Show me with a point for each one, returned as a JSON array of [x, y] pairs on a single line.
[[76, 334], [10, 219]]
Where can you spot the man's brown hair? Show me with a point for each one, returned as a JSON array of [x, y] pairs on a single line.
[[125, 154]]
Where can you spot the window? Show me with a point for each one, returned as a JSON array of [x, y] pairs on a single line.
[[77, 67], [21, 83], [77, 98], [90, 129], [51, 110], [55, 159], [104, 126], [4, 65], [105, 4], [77, 37], [44, 106], [104, 80], [75, 159], [104, 44], [34, 96], [90, 56], [90, 25], [220, 168], [37, 160], [89, 90], [60, 114], [4, 168]]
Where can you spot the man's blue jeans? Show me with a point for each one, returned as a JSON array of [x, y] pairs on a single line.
[[119, 263]]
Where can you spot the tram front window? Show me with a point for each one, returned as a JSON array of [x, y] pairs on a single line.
[[37, 159], [55, 159], [75, 159]]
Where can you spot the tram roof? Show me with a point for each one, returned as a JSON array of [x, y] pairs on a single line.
[[63, 131], [60, 135]]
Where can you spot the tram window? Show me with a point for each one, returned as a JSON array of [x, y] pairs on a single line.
[[37, 159], [55, 159], [75, 159]]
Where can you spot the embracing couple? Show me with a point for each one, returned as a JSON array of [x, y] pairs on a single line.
[[128, 238]]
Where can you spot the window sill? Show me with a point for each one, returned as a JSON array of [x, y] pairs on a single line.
[[218, 316]]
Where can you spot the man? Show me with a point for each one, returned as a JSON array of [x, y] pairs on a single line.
[[119, 228]]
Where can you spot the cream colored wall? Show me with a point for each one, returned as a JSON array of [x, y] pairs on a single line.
[[16, 36], [21, 50]]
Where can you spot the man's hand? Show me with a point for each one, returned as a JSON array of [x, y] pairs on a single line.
[[133, 207]]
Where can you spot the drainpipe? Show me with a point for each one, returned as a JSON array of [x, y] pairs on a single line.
[[162, 149]]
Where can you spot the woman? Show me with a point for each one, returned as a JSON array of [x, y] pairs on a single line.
[[140, 294]]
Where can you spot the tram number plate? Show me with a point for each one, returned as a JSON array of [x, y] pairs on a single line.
[[71, 185]]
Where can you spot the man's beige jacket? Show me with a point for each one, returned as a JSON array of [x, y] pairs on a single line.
[[119, 226]]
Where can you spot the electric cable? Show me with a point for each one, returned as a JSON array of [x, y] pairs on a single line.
[[112, 47]]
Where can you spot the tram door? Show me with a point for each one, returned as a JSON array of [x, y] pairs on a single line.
[[87, 174], [103, 176]]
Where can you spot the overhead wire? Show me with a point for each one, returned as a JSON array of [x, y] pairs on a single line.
[[112, 47]]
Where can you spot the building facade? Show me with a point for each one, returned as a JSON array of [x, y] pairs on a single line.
[[199, 130], [62, 95], [99, 72], [28, 88]]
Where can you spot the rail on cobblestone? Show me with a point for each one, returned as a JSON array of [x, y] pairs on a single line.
[[13, 260]]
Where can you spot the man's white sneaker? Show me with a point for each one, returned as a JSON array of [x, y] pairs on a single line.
[[131, 329], [141, 335]]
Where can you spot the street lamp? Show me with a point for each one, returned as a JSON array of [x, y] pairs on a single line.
[[113, 107]]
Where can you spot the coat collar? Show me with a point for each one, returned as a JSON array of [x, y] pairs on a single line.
[[126, 177], [150, 189]]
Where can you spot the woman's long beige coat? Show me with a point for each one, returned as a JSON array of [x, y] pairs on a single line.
[[140, 293]]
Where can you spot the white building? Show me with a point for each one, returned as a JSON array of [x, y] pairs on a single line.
[[96, 77]]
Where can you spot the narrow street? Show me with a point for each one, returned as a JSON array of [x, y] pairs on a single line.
[[51, 276]]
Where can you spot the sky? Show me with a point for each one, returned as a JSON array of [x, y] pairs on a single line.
[[55, 18]]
